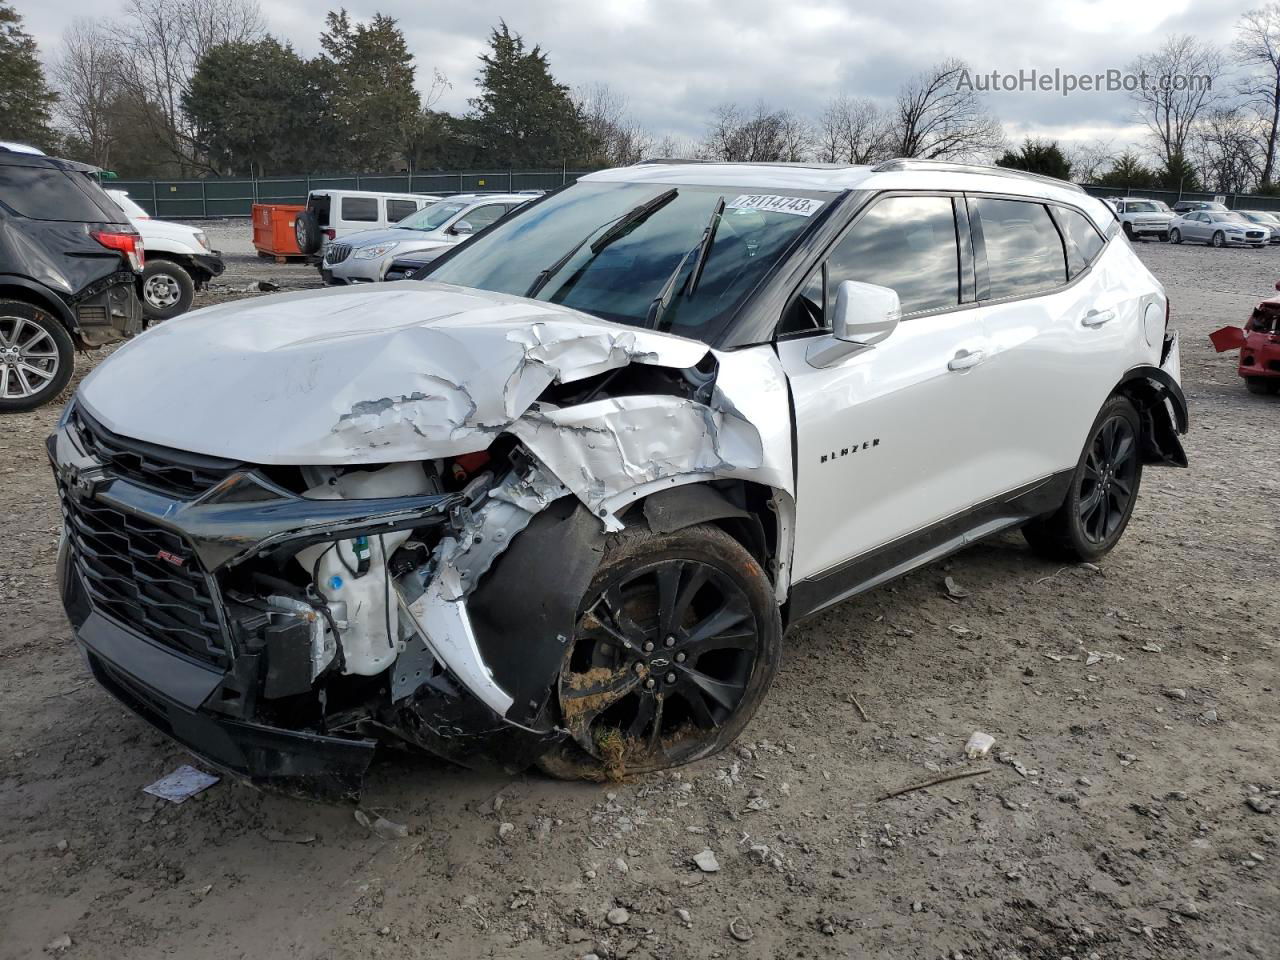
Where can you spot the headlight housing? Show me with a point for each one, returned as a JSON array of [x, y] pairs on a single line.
[[377, 250], [202, 239]]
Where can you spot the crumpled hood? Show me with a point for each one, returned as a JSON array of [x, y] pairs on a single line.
[[369, 374]]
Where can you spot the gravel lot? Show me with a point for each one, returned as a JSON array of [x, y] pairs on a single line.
[[1133, 706]]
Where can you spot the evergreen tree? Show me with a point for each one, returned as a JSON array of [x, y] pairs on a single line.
[[523, 117], [259, 109], [1038, 156], [373, 100], [1128, 171], [25, 97]]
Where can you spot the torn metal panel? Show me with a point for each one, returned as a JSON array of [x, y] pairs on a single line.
[[607, 449], [371, 374]]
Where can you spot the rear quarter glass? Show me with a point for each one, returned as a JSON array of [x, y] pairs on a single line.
[[48, 192]]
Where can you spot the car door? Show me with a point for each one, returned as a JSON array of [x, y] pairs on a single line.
[[1054, 327], [886, 437], [1200, 224]]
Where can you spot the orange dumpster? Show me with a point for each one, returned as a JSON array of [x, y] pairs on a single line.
[[273, 234]]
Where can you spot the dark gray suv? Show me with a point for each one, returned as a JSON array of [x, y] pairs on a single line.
[[69, 262]]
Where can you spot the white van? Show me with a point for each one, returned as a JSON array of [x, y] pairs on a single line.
[[331, 214]]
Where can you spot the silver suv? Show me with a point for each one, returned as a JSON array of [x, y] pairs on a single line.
[[364, 257]]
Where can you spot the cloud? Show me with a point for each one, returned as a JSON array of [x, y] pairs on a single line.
[[674, 60]]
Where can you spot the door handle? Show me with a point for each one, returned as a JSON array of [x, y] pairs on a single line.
[[965, 359], [1096, 318]]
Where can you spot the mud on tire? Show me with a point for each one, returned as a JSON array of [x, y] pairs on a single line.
[[677, 641]]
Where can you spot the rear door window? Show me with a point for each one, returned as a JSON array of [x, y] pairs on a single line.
[[47, 193], [360, 209], [397, 210], [1024, 253]]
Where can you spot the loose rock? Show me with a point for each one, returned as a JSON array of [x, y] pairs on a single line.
[[707, 861], [617, 916]]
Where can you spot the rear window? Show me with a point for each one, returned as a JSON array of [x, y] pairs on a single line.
[[361, 209], [1024, 252], [319, 206], [47, 193], [397, 210]]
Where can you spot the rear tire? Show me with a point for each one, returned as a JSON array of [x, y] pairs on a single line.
[[1175, 235], [36, 356], [1104, 489], [166, 289], [677, 642]]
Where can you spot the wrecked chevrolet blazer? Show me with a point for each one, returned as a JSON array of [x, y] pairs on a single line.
[[557, 501]]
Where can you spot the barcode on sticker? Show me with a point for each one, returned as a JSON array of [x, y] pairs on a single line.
[[772, 203]]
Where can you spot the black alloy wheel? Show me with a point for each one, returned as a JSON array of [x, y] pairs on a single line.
[[676, 643]]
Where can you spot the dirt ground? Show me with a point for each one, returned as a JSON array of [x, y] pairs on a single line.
[[1134, 708]]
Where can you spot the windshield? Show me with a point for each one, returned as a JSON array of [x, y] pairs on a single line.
[[615, 250], [1141, 206], [432, 217]]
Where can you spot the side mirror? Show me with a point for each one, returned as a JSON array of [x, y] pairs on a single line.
[[462, 228], [865, 314]]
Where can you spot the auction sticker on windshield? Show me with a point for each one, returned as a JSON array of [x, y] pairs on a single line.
[[771, 203]]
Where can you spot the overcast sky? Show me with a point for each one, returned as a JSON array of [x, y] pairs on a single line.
[[675, 59]]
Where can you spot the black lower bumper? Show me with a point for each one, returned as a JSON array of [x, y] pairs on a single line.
[[169, 691], [210, 264]]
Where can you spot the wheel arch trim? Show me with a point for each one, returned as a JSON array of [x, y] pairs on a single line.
[[1162, 410]]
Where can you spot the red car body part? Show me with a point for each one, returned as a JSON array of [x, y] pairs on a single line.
[[1258, 341]]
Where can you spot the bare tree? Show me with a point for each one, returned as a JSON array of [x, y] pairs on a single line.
[[1257, 46], [87, 75], [795, 137], [162, 41], [1224, 150], [939, 116], [1091, 159], [851, 130], [615, 135], [761, 135], [1177, 83]]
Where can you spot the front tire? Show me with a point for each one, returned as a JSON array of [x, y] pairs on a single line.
[[1263, 386], [1164, 238], [1219, 239], [36, 356], [677, 642], [1104, 489], [167, 290]]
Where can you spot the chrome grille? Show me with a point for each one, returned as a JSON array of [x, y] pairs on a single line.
[[336, 253]]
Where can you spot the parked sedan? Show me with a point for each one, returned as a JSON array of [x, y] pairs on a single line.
[[1264, 219], [364, 257], [1219, 228]]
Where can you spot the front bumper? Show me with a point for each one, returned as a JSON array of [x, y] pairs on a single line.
[[156, 584], [1260, 355], [209, 263], [353, 270]]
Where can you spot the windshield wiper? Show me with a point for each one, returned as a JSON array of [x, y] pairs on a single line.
[[702, 251], [621, 226]]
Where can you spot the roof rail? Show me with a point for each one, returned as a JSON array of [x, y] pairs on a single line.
[[947, 166], [670, 160], [10, 147]]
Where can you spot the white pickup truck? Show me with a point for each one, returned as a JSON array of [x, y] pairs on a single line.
[[1141, 217]]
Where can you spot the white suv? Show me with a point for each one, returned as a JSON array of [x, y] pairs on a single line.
[[559, 502]]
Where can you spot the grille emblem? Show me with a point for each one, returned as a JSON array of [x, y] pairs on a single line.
[[172, 558]]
